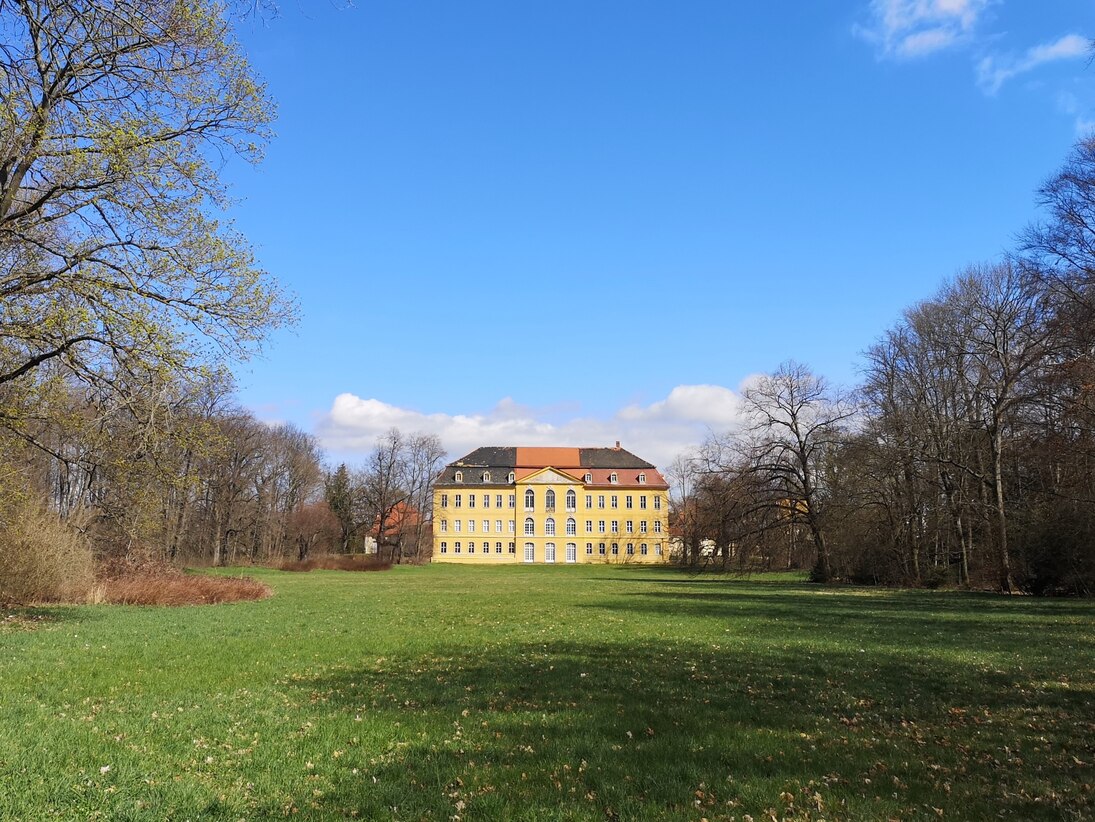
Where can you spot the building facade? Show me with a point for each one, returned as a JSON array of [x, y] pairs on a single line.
[[511, 504]]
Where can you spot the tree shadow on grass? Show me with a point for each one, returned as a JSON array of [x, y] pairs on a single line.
[[29, 617], [648, 729]]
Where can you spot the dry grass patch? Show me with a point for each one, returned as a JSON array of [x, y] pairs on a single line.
[[180, 589], [338, 562], [42, 559]]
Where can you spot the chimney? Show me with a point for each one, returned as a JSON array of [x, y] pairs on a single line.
[[617, 445]]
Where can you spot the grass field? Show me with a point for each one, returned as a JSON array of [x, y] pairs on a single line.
[[581, 693]]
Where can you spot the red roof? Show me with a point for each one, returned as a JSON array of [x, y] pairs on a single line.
[[543, 457]]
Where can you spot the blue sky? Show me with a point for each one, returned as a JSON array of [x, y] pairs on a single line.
[[576, 222]]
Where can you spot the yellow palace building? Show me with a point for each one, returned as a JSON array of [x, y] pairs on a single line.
[[510, 504]]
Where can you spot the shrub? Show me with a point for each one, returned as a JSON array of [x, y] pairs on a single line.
[[169, 588], [338, 562], [42, 559]]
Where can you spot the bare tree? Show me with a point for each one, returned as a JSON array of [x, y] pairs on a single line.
[[796, 419]]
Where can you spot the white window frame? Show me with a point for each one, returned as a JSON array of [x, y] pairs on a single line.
[[530, 552]]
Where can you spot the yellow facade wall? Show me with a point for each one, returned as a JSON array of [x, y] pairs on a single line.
[[602, 533]]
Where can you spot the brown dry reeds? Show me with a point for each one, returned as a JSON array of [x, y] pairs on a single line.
[[180, 589], [42, 559], [338, 562]]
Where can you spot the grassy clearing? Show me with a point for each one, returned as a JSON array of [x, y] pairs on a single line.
[[584, 693]]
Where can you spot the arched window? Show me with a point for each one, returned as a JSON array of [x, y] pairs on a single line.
[[486, 476], [642, 479], [512, 477], [613, 478], [549, 527], [572, 500], [588, 478], [459, 476], [530, 499], [572, 527], [530, 527], [549, 500]]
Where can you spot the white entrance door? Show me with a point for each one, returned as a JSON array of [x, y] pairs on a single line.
[[549, 552], [572, 552], [530, 552]]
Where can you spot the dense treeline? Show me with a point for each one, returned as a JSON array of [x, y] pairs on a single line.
[[189, 477], [967, 454]]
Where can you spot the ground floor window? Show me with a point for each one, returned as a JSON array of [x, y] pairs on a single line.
[[513, 547], [549, 552], [471, 547], [530, 552], [615, 548], [572, 552], [497, 547], [642, 549], [601, 548], [630, 549], [444, 547], [456, 547]]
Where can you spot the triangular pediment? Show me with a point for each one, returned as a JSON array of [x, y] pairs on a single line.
[[550, 476]]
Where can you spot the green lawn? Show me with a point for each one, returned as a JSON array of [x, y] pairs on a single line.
[[524, 693]]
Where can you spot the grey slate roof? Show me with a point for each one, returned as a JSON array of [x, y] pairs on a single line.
[[500, 460]]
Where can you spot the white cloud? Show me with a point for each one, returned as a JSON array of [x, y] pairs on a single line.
[[1067, 103], [994, 71], [906, 29], [657, 432]]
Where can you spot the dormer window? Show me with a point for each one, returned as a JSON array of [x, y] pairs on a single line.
[[512, 477], [486, 476], [642, 479], [459, 476], [589, 479], [613, 478]]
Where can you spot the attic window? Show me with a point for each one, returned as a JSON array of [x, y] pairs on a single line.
[[589, 479], [486, 476], [459, 476], [642, 479], [512, 477], [613, 478]]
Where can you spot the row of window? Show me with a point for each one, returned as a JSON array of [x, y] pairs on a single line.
[[571, 526], [512, 477], [457, 548], [613, 501], [549, 549]]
